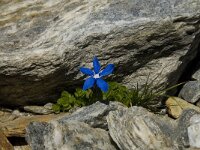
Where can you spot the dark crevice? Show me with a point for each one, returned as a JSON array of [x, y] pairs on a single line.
[[191, 68], [191, 63], [194, 64], [113, 143], [17, 141]]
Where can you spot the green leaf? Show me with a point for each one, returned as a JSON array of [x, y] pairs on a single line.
[[65, 94], [62, 101], [56, 108]]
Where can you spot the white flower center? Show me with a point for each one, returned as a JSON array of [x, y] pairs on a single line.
[[96, 76]]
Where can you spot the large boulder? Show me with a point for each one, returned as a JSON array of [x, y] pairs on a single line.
[[136, 128], [43, 43], [62, 136]]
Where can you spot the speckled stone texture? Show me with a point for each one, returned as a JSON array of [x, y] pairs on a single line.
[[136, 128], [68, 136], [133, 128], [191, 91], [44, 43]]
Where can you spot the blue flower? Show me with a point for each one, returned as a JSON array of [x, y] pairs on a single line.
[[96, 75]]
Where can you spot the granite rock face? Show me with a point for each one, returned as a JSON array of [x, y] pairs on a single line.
[[43, 43]]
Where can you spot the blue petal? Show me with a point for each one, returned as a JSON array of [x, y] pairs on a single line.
[[108, 70], [88, 83], [96, 65], [86, 71], [102, 85]]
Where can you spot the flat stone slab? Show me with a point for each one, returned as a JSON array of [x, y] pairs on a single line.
[[14, 126]]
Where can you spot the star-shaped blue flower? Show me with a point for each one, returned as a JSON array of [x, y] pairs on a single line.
[[96, 75]]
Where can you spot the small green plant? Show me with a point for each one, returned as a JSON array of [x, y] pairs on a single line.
[[65, 102], [68, 101], [144, 96], [118, 92]]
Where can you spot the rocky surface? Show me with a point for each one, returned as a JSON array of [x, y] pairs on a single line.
[[176, 106], [194, 130], [133, 128], [43, 43], [94, 115], [196, 75], [191, 91], [62, 136], [136, 128], [183, 132]]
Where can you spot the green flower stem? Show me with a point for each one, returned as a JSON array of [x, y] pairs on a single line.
[[97, 94], [170, 88]]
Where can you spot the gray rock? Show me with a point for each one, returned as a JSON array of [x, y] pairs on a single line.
[[191, 91], [75, 131], [43, 44], [38, 110], [68, 136], [18, 113], [196, 75], [129, 129], [114, 105], [94, 115], [48, 106], [138, 129], [194, 131], [184, 123]]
